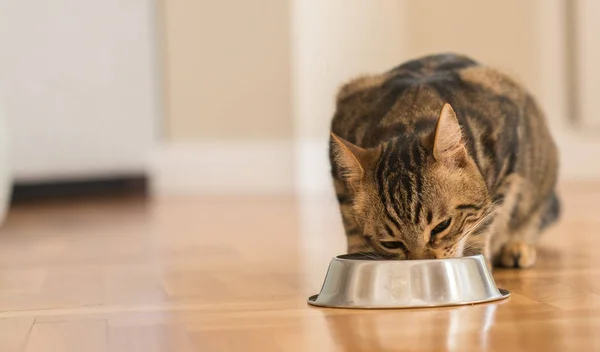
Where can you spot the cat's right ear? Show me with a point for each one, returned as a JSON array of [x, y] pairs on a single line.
[[448, 143], [352, 160]]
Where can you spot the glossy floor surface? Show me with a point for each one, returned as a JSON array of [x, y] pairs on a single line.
[[228, 274]]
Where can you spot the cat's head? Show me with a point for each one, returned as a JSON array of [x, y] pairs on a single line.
[[419, 197]]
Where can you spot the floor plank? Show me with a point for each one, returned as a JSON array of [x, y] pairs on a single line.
[[73, 336], [14, 333]]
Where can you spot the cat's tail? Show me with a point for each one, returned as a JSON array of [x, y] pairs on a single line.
[[552, 213]]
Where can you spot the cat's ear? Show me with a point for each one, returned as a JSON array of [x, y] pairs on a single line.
[[352, 160], [448, 142]]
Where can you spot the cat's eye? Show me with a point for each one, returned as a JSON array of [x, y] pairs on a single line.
[[439, 228], [394, 245]]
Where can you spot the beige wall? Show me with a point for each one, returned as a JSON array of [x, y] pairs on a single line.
[[227, 70], [523, 38], [228, 73], [498, 33]]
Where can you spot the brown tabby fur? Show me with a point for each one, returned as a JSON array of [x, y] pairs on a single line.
[[443, 157]]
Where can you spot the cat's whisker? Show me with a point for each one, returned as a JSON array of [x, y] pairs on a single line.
[[370, 255], [471, 244], [366, 249], [492, 211], [468, 242]]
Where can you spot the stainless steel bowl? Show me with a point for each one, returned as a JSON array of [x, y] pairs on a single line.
[[357, 281]]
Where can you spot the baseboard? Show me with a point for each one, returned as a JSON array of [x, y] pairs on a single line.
[[132, 185], [578, 156], [223, 168], [301, 168]]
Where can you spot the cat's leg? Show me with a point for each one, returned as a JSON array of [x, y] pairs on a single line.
[[498, 235], [520, 250], [516, 226], [355, 239]]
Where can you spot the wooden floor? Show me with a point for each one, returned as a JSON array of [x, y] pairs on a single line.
[[234, 274]]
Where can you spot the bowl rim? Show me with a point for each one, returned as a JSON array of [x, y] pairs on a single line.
[[342, 257]]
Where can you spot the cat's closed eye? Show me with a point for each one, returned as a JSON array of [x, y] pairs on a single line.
[[394, 245], [439, 228]]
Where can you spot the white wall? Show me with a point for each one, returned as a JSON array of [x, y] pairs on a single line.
[[79, 83]]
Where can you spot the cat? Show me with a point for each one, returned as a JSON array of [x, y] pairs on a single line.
[[443, 157]]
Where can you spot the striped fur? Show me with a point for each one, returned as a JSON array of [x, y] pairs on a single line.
[[440, 157]]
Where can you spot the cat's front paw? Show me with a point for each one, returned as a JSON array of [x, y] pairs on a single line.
[[518, 254]]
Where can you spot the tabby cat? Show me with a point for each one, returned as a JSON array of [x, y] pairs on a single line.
[[443, 157]]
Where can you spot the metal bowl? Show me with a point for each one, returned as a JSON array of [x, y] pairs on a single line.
[[358, 281]]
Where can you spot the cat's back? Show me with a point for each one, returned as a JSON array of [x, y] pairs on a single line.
[[407, 99]]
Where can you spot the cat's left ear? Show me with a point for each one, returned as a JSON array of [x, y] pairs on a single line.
[[448, 143], [352, 160]]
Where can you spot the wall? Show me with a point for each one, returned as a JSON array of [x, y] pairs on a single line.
[[78, 83], [227, 75], [521, 38], [501, 34], [586, 57], [334, 41], [227, 70]]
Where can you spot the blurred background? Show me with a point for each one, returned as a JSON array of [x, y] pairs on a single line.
[[190, 97], [164, 168]]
